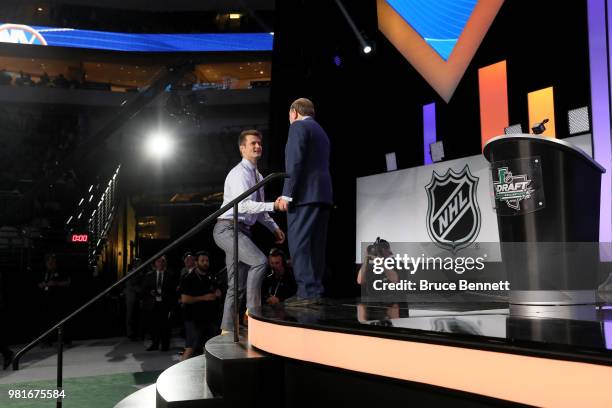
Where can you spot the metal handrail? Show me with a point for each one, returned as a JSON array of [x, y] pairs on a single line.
[[232, 204]]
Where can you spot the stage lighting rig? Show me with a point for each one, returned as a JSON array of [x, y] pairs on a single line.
[[160, 145], [367, 47]]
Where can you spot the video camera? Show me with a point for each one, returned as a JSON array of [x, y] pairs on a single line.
[[380, 248]]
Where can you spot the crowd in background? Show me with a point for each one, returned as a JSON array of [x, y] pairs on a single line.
[[25, 79], [159, 299]]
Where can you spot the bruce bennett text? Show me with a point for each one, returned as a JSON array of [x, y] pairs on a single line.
[[425, 285]]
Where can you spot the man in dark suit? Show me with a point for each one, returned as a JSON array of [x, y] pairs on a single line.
[[307, 197], [160, 297]]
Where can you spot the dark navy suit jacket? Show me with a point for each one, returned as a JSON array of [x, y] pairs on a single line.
[[307, 163]]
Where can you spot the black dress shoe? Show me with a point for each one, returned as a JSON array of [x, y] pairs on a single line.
[[153, 347]]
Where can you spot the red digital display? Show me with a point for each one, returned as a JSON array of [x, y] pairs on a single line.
[[80, 237]]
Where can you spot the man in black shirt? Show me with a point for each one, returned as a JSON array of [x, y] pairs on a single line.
[[199, 296]]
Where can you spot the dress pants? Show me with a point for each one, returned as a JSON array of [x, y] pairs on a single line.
[[307, 235], [251, 269], [160, 324]]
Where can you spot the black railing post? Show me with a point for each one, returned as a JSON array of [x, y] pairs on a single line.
[[60, 364], [236, 274]]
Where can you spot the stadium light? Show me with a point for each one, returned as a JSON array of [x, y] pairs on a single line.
[[159, 145]]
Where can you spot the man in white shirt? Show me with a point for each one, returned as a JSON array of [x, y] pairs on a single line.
[[252, 262]]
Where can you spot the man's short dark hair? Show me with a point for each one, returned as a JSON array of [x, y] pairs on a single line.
[[275, 252], [303, 106], [245, 133], [202, 253], [186, 254]]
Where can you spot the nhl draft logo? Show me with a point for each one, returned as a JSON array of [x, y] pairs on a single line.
[[512, 189], [453, 215]]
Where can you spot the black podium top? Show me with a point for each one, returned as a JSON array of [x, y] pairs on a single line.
[[553, 142]]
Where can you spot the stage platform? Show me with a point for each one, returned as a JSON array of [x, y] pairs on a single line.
[[446, 350], [464, 350]]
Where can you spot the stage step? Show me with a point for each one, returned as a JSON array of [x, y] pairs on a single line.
[[242, 375], [143, 398], [184, 386], [181, 386]]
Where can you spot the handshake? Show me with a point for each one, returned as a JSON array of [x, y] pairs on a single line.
[[280, 204]]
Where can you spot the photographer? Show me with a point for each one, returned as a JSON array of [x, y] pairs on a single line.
[[379, 249], [383, 311], [279, 284]]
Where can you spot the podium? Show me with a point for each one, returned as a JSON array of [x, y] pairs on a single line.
[[546, 193]]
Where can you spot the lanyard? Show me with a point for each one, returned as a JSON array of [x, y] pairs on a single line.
[[278, 283]]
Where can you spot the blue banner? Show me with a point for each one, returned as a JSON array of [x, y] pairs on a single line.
[[102, 40]]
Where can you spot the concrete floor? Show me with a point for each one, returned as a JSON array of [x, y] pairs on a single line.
[[91, 358]]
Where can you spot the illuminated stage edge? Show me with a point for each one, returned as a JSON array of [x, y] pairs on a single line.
[[510, 377]]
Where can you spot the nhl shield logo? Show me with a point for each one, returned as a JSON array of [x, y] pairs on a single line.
[[453, 216]]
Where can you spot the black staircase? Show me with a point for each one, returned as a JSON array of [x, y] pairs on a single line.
[[241, 375], [229, 374], [201, 225]]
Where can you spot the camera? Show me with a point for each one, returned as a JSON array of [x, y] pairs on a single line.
[[380, 248]]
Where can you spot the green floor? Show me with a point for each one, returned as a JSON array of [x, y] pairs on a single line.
[[96, 392]]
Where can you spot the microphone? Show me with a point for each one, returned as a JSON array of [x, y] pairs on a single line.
[[539, 128]]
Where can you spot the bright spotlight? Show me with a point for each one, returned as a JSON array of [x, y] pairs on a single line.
[[368, 47], [159, 145]]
